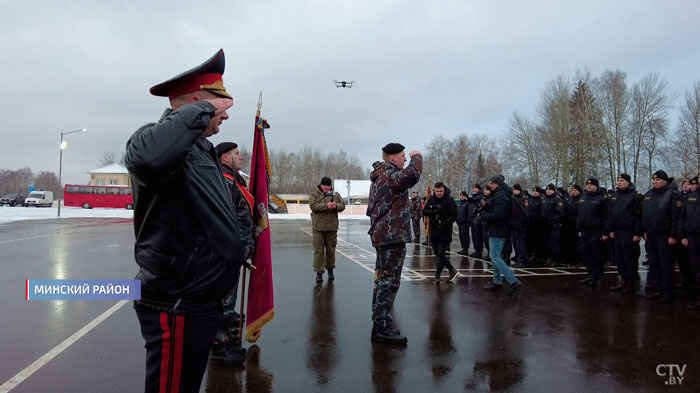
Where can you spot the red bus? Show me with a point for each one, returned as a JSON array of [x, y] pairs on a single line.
[[88, 197]]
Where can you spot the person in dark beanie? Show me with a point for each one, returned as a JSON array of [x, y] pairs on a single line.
[[518, 235], [661, 209], [463, 222], [625, 232], [592, 229], [389, 229], [497, 216], [690, 238], [441, 211], [476, 226], [553, 217], [535, 243], [325, 205]]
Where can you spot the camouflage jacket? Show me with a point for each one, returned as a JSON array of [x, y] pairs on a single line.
[[388, 206], [416, 209], [242, 203]]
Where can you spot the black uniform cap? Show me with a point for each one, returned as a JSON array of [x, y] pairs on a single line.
[[206, 76], [551, 186], [393, 148], [660, 175], [223, 147], [593, 181]]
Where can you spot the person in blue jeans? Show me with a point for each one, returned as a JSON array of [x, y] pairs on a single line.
[[496, 216]]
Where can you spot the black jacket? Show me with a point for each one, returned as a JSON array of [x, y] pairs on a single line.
[[690, 215], [661, 209], [187, 237], [626, 211], [553, 209], [463, 212], [243, 205], [442, 213], [497, 212], [593, 212], [534, 207], [474, 203], [572, 210]]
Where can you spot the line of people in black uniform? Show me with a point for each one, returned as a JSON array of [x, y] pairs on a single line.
[[591, 226]]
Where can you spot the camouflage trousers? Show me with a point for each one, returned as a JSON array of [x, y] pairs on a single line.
[[228, 331], [416, 229], [387, 278]]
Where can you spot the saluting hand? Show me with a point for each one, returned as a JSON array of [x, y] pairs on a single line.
[[414, 152], [221, 104]]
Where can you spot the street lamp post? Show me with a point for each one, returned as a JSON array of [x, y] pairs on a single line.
[[60, 165]]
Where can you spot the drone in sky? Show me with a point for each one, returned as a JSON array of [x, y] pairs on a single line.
[[344, 84]]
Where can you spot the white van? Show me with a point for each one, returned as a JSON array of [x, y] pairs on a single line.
[[39, 199]]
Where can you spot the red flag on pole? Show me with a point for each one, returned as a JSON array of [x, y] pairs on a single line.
[[260, 306]]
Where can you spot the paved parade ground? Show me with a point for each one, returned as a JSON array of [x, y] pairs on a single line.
[[556, 335]]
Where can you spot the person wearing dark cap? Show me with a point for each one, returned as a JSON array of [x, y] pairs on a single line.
[[690, 238], [571, 248], [687, 285], [477, 227], [226, 347], [625, 232], [519, 230], [188, 244], [389, 230], [497, 214], [553, 216], [416, 215], [661, 209], [441, 211], [591, 224], [463, 222], [535, 242], [325, 205]]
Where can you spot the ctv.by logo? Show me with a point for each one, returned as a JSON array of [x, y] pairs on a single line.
[[674, 372]]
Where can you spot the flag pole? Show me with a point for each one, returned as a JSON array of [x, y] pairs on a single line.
[[243, 291]]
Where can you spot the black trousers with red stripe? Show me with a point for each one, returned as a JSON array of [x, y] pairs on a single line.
[[177, 348]]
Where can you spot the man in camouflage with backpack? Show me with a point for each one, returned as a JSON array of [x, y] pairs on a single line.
[[390, 229]]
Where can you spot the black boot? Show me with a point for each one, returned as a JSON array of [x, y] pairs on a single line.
[[319, 277], [388, 336], [493, 287], [620, 285], [629, 287], [453, 275], [331, 277], [437, 277], [229, 355]]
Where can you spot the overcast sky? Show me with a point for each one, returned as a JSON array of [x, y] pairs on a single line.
[[421, 68]]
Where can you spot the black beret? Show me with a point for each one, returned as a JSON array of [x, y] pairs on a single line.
[[326, 181], [477, 185], [577, 187], [660, 175], [625, 176], [463, 193], [393, 148], [538, 189], [517, 186], [223, 147], [593, 181], [551, 186]]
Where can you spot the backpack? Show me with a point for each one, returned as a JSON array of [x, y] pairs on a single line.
[[519, 214]]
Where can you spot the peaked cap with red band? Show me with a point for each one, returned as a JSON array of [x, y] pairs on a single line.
[[206, 76]]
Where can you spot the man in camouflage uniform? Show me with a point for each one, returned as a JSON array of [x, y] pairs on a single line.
[[226, 348], [388, 209], [416, 214]]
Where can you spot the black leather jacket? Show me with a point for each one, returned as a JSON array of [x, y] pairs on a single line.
[[187, 237]]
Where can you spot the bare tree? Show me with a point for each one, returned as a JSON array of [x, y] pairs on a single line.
[[689, 129], [556, 124], [649, 104], [111, 157], [524, 149], [586, 133], [48, 181], [613, 100]]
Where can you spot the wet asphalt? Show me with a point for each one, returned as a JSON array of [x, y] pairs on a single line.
[[554, 336]]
